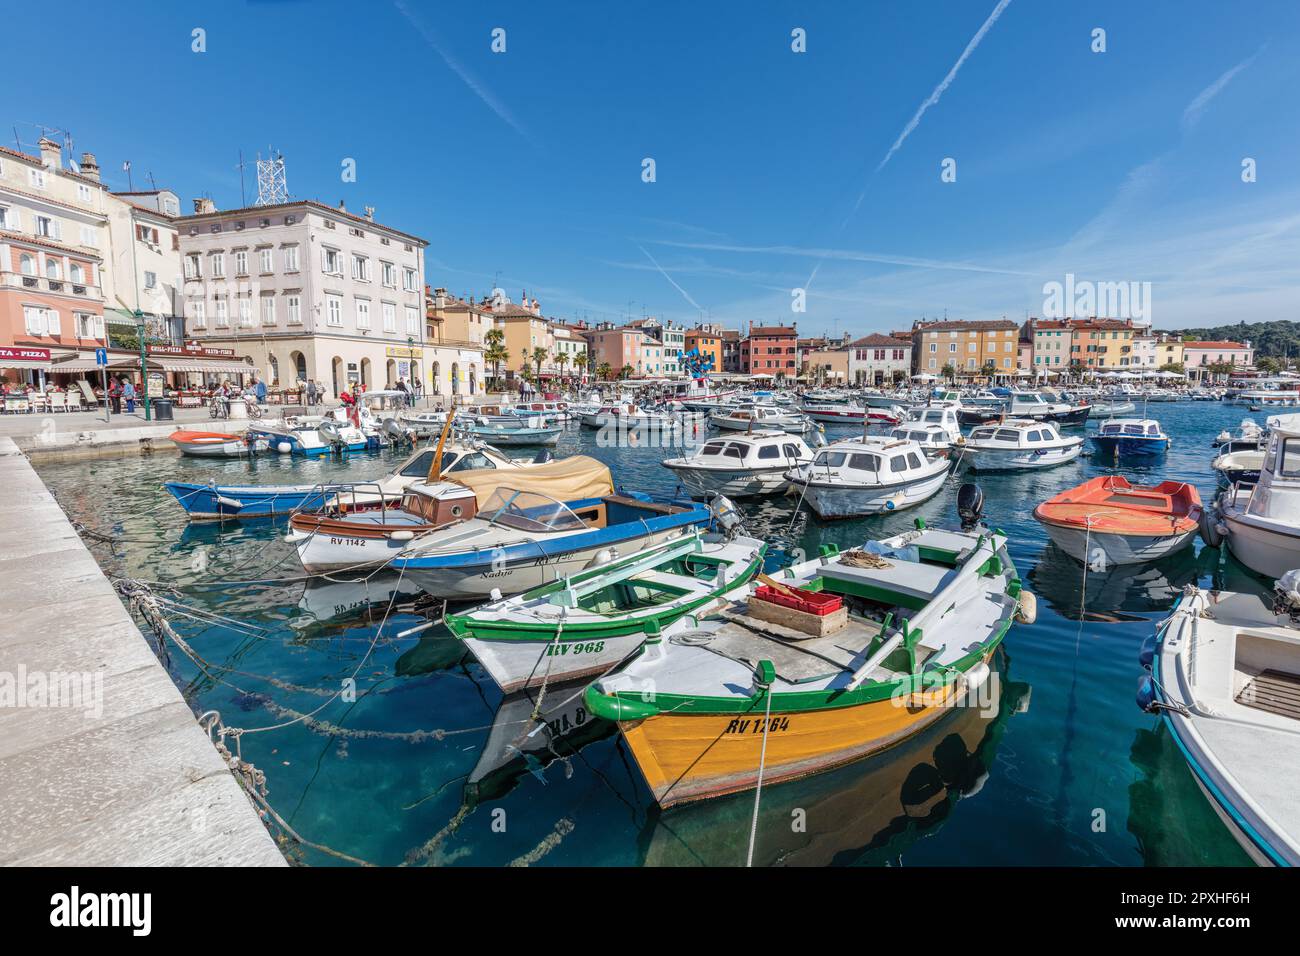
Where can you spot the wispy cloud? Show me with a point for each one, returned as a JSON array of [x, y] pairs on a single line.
[[685, 295], [1192, 114], [468, 78], [847, 255], [946, 82]]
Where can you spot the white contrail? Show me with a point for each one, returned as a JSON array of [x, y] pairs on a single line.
[[685, 294], [466, 77], [1194, 109], [947, 81]]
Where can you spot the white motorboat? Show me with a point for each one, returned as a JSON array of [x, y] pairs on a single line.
[[1261, 522], [1225, 677], [1017, 444], [741, 466], [311, 436], [942, 415], [933, 439], [630, 416], [747, 417], [868, 475]]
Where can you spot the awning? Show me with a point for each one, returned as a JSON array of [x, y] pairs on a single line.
[[202, 365], [89, 365], [25, 364]]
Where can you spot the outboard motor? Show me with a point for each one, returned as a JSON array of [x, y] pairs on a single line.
[[970, 505], [726, 519], [393, 429], [1286, 595], [543, 456]]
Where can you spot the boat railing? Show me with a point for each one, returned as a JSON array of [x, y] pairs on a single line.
[[333, 494], [1237, 487]]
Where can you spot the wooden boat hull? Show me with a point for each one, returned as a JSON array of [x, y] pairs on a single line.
[[1115, 548], [686, 757]]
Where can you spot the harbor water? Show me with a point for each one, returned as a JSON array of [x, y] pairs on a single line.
[[423, 762]]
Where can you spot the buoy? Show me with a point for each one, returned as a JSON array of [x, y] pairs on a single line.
[[1147, 653], [1027, 609], [284, 447], [1146, 693], [1211, 530]]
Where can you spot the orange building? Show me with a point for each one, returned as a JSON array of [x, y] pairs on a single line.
[[708, 344]]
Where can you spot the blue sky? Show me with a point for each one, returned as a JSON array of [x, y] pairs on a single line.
[[1115, 166]]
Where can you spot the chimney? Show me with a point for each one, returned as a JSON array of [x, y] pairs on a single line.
[[89, 168], [440, 298], [342, 208], [370, 214], [51, 152], [203, 205]]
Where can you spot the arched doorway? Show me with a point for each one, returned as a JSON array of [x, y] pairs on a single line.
[[437, 378], [455, 378], [336, 367], [415, 374], [300, 365], [392, 373], [272, 369], [365, 372], [473, 379]]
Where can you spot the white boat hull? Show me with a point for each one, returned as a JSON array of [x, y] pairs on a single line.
[[997, 459], [225, 449], [734, 483], [849, 501], [1265, 547], [516, 665], [1111, 549]]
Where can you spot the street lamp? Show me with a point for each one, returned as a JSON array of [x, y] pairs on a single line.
[[144, 368]]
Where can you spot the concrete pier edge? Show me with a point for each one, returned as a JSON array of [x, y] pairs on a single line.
[[139, 783]]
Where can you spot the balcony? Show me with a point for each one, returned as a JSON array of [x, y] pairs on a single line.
[[64, 287]]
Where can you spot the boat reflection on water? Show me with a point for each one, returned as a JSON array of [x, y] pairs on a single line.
[[867, 812], [1194, 836], [1121, 593], [359, 600], [520, 743]]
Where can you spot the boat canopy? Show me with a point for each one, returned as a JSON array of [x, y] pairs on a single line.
[[568, 479], [1285, 425], [529, 511]]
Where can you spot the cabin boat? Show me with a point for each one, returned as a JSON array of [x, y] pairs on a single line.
[[227, 502], [933, 439], [749, 417], [1225, 679], [1026, 404], [1107, 521], [868, 475], [583, 624], [1261, 522], [741, 466], [843, 413], [852, 653], [940, 415], [1018, 444], [214, 444], [554, 413], [1240, 456], [1288, 397], [1111, 409], [1124, 437]]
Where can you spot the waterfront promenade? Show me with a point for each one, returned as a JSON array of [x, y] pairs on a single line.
[[119, 773]]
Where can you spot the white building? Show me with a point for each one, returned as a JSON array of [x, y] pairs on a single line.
[[309, 291], [875, 358]]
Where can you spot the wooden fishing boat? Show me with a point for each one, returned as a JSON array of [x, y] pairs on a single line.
[[585, 623], [713, 703], [1108, 520], [213, 444], [1225, 677]]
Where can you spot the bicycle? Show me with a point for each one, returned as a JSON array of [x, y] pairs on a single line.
[[218, 407]]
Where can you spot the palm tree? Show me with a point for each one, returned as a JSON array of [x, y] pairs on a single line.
[[539, 356], [580, 360], [604, 372], [561, 360], [1077, 370], [626, 372], [949, 372], [989, 369], [496, 352]]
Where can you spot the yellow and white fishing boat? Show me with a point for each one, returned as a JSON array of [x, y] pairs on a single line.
[[776, 691]]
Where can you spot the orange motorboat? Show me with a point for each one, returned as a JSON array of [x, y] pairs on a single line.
[[1108, 520]]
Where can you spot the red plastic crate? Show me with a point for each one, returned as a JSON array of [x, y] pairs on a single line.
[[810, 602]]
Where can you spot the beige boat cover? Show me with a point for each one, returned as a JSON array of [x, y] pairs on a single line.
[[567, 479]]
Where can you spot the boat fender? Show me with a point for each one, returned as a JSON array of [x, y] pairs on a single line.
[[494, 594], [1146, 693], [229, 504], [330, 431], [1027, 608], [1211, 530], [401, 536], [601, 557], [1147, 653], [975, 677], [284, 447]]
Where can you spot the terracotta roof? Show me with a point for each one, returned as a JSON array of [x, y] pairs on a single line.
[[771, 331], [1213, 345], [40, 163], [955, 325], [876, 340]]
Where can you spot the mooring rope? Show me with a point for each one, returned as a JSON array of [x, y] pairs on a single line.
[[758, 789]]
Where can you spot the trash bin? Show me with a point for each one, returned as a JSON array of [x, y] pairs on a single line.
[[162, 409]]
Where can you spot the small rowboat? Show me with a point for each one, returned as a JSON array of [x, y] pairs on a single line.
[[1109, 521], [584, 624], [212, 444]]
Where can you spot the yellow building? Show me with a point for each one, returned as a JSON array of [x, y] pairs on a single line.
[[826, 366], [1169, 351], [966, 345], [1102, 343]]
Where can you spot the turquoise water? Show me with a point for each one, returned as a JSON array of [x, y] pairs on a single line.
[[429, 765]]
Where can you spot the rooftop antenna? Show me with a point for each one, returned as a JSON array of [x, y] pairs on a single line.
[[243, 198], [272, 188]]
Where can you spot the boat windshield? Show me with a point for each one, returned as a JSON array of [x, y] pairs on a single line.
[[529, 511]]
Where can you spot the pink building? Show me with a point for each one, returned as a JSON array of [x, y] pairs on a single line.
[[617, 347]]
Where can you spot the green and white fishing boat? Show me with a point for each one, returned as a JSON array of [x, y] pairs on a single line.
[[584, 624], [835, 659]]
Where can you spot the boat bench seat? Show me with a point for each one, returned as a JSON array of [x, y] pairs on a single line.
[[913, 582], [654, 506]]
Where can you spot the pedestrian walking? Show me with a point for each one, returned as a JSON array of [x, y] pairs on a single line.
[[128, 395]]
